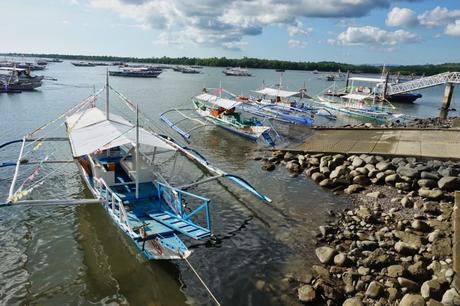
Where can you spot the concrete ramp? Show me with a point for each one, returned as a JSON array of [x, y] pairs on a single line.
[[427, 143]]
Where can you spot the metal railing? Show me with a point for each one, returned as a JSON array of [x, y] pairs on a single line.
[[173, 197], [425, 82], [112, 202]]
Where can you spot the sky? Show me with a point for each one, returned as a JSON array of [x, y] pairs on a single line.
[[349, 31]]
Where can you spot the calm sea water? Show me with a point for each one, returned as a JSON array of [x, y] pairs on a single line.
[[75, 255]]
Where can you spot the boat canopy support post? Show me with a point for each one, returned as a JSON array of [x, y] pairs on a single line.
[[16, 171], [107, 94], [448, 93], [137, 151], [347, 81]]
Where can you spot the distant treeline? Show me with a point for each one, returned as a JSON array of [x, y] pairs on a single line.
[[260, 63]]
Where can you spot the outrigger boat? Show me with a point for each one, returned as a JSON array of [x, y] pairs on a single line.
[[224, 113], [120, 164], [280, 105]]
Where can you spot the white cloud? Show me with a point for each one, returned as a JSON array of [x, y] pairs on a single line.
[[235, 45], [401, 17], [294, 43], [225, 23], [374, 36], [453, 29], [298, 29], [439, 16]]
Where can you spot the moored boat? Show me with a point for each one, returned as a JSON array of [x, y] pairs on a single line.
[[83, 64], [236, 71], [138, 72]]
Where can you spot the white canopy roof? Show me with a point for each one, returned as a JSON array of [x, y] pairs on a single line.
[[354, 96], [90, 131], [371, 80], [277, 92], [225, 103]]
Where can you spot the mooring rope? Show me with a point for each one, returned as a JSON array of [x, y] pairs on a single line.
[[202, 282]]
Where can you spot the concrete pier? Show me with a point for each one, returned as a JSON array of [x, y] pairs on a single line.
[[448, 92], [422, 143]]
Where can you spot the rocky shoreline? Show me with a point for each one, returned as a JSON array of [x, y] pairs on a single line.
[[395, 246]]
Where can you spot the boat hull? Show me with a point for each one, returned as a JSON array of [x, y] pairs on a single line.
[[404, 98]]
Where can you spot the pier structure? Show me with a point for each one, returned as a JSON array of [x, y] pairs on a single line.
[[420, 143]]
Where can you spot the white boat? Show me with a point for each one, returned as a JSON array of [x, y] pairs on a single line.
[[236, 71]]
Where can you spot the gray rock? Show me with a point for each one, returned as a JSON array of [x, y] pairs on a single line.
[[429, 175], [353, 302], [375, 195], [306, 294], [418, 271], [433, 194], [402, 186], [409, 284], [317, 177], [289, 156], [383, 166], [431, 207], [435, 235], [412, 300], [361, 180], [431, 289], [378, 259], [363, 271], [310, 171], [441, 248], [429, 183], [268, 166], [357, 162], [421, 226], [325, 254], [341, 259], [325, 183], [405, 248], [406, 202], [392, 179], [449, 183], [409, 172], [374, 290], [395, 271], [451, 298], [293, 166], [354, 188], [362, 170]]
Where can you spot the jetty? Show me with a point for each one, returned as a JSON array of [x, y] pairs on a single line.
[[413, 142]]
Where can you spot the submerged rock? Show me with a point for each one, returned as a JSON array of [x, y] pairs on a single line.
[[306, 294]]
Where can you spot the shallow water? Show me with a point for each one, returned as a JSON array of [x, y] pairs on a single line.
[[75, 255]]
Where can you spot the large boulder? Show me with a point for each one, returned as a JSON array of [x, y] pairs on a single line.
[[405, 248], [431, 289], [383, 166], [306, 294], [325, 254], [395, 271], [449, 183], [317, 177], [409, 172], [374, 290], [412, 300], [451, 298]]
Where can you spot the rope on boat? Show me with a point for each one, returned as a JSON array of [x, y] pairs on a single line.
[[202, 282]]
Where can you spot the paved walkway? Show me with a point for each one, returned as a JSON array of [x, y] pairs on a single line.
[[443, 144]]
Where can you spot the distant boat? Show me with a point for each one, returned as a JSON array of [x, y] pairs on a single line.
[[17, 79], [196, 67], [330, 78], [83, 64], [280, 70], [30, 66], [189, 70], [42, 62], [315, 71], [55, 60], [137, 72], [236, 71]]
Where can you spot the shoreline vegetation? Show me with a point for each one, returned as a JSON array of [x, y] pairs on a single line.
[[324, 66]]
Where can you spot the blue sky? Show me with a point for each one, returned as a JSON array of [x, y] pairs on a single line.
[[352, 31]]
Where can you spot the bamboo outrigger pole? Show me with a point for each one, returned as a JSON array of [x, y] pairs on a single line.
[[16, 171]]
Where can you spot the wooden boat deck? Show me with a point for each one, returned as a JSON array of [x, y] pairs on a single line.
[[422, 143]]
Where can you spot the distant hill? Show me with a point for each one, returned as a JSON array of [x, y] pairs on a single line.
[[248, 62]]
